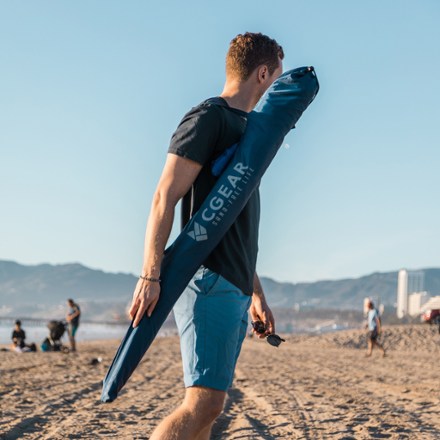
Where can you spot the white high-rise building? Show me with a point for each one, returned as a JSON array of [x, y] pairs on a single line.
[[402, 293], [408, 282], [416, 301]]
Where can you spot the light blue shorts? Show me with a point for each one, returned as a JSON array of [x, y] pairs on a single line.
[[212, 319]]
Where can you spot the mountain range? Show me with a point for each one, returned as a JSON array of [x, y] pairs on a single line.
[[41, 291]]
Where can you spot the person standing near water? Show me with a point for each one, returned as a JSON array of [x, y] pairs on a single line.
[[72, 319]]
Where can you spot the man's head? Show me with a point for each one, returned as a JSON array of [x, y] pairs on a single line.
[[249, 51], [18, 323], [371, 305], [253, 62], [70, 302]]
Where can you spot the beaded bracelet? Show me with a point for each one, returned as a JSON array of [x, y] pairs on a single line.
[[153, 280]]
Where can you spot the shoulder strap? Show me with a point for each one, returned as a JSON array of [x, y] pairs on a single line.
[[220, 162]]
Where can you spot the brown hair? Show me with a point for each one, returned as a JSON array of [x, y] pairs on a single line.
[[250, 50]]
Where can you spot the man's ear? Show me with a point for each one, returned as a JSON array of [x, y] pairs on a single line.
[[263, 73]]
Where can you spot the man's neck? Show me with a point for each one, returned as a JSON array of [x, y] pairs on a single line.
[[240, 95]]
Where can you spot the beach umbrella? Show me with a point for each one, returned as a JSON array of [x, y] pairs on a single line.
[[267, 125]]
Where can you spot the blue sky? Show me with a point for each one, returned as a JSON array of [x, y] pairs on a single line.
[[91, 92]]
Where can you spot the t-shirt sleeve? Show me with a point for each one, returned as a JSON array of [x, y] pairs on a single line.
[[197, 134]]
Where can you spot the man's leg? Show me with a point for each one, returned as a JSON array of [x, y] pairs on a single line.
[[380, 346], [193, 419], [71, 331], [205, 434], [370, 346], [209, 316]]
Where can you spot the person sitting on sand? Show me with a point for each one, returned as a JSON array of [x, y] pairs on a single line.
[[72, 319], [374, 329], [18, 339]]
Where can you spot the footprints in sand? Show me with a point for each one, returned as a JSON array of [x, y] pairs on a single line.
[[326, 394], [250, 416], [302, 390], [58, 395]]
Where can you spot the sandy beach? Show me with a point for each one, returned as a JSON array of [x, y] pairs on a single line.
[[312, 387]]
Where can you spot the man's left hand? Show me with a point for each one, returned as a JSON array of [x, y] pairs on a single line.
[[260, 311]]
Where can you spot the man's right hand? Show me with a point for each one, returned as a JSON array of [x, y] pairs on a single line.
[[145, 297]]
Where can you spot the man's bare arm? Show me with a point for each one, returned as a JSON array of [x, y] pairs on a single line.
[[177, 177], [378, 325], [71, 316], [258, 288]]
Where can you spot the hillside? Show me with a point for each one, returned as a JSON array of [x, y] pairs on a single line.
[[345, 294], [41, 291]]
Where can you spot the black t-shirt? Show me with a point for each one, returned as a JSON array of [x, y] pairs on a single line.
[[19, 336], [202, 135], [73, 309]]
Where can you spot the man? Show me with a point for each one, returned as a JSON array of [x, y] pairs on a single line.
[[72, 319], [374, 329], [211, 314]]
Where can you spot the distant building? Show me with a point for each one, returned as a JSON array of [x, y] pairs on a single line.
[[432, 304], [366, 303], [416, 281], [402, 293], [416, 302], [408, 281]]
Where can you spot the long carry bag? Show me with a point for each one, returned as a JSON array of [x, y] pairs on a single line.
[[267, 125]]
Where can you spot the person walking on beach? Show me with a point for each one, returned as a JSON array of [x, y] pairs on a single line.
[[211, 314], [374, 329], [72, 319]]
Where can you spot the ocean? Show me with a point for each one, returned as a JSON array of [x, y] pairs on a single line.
[[37, 332]]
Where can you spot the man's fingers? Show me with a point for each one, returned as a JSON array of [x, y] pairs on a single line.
[[271, 327], [133, 308], [142, 310], [135, 302], [143, 302], [254, 315], [138, 318], [270, 323], [139, 314], [151, 307], [265, 320]]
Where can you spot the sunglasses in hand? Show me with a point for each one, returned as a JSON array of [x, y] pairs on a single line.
[[272, 339]]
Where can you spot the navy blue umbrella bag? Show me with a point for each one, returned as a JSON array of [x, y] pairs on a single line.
[[275, 115]]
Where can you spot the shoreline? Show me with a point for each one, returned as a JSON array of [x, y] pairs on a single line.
[[348, 338]]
